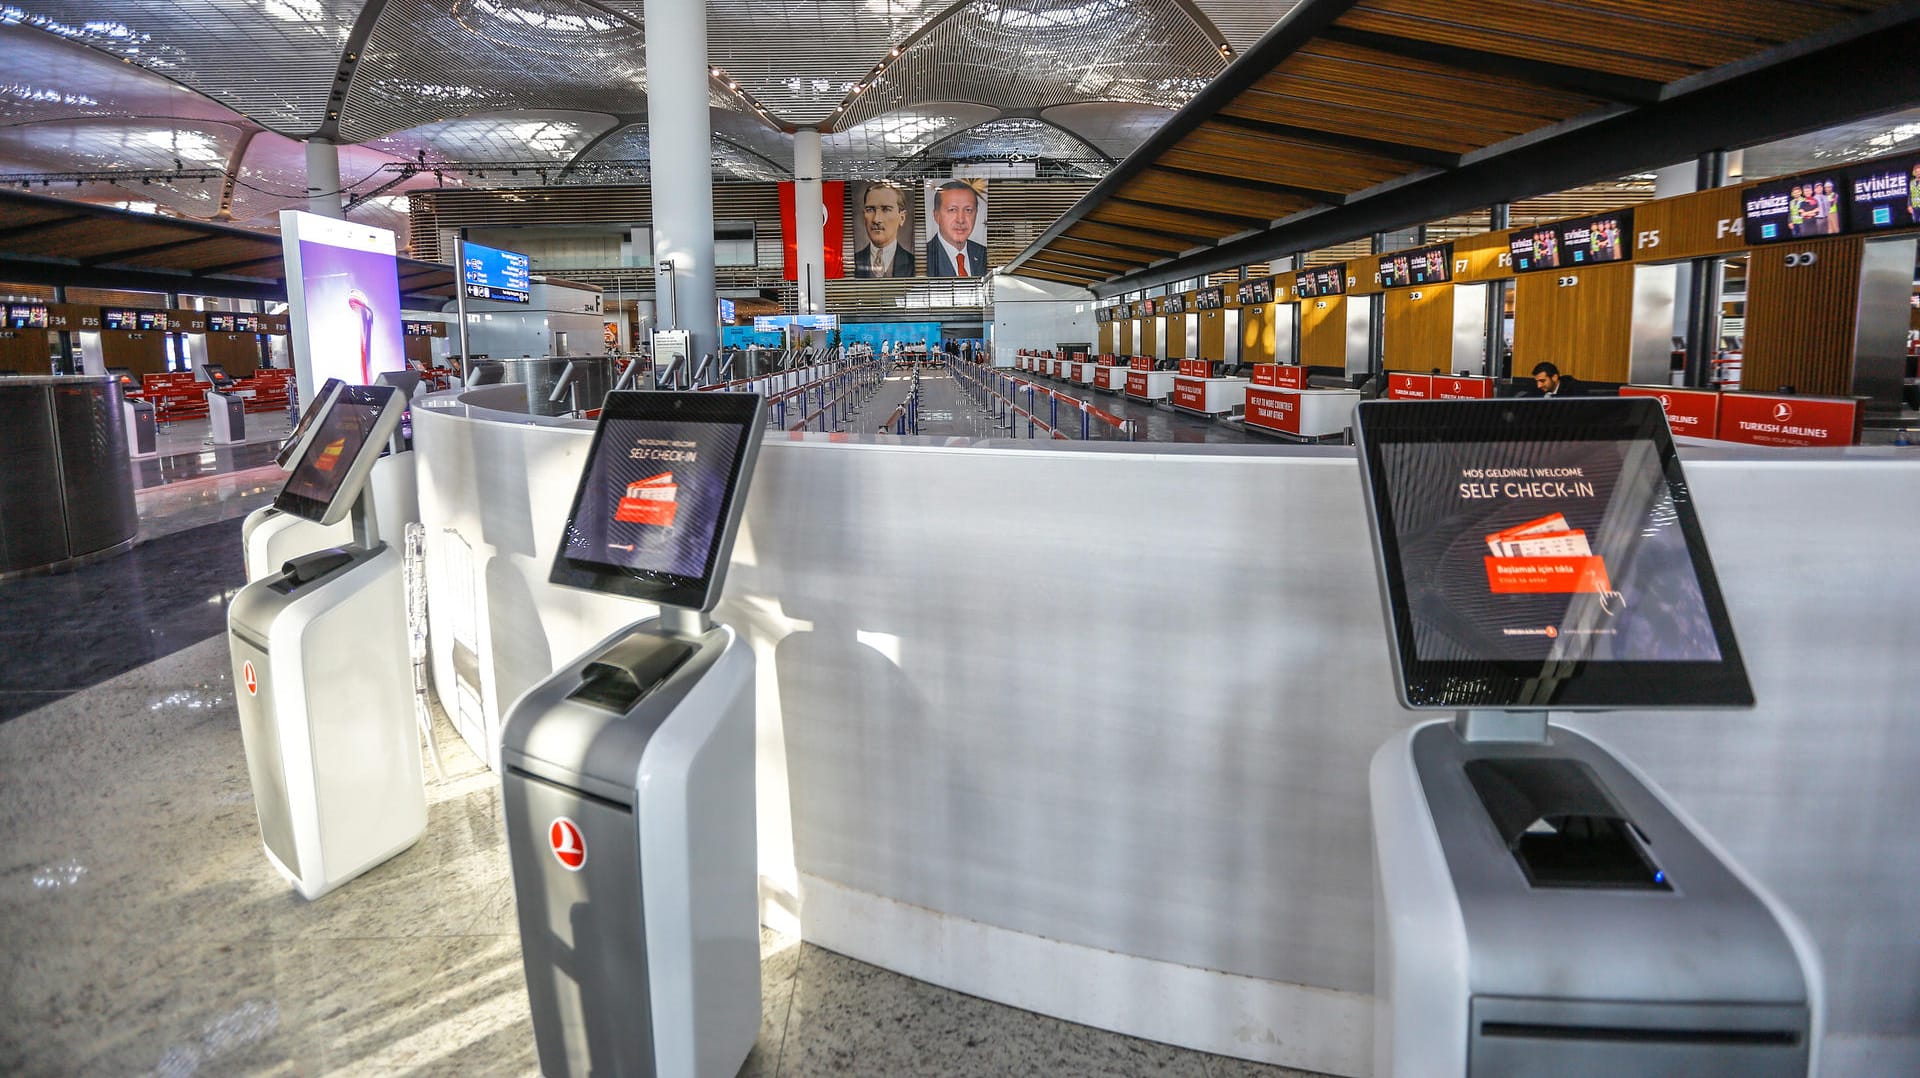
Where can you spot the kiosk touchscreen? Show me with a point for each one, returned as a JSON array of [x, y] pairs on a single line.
[[1540, 908], [270, 536], [322, 670], [629, 773]]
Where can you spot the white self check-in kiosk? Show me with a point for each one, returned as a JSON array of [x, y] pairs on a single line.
[[226, 409], [271, 535], [322, 672], [1540, 908], [629, 773]]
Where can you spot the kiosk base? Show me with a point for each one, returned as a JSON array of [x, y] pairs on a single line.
[[325, 691], [629, 796], [1539, 909]]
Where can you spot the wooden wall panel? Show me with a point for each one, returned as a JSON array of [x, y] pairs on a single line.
[[1175, 327], [1585, 329], [1482, 258], [1689, 226], [24, 350], [1148, 341], [239, 353], [1801, 319], [1363, 276], [1107, 337], [1257, 332], [1125, 333], [1418, 335], [1323, 332], [1213, 335]]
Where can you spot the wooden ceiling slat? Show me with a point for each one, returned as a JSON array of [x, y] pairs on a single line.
[[207, 251], [1385, 101], [1133, 235], [1105, 265], [1482, 85], [1529, 108], [1254, 177], [1182, 190], [86, 240], [1166, 219], [1589, 26], [1030, 270], [1760, 20], [1081, 273], [1077, 245], [1341, 119], [1347, 168], [1515, 43]]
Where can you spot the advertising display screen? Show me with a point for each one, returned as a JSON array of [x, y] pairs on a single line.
[[1884, 195], [220, 323], [1535, 248], [491, 273], [726, 312], [1544, 553], [344, 289], [27, 316], [1209, 299], [1803, 207], [774, 323], [1593, 240], [1259, 290], [1427, 265], [1146, 308], [1175, 304], [659, 496], [341, 434], [153, 320]]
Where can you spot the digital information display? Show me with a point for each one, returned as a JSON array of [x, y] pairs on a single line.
[[765, 323], [726, 312], [1594, 240], [1803, 207], [1209, 299], [1257, 291], [1535, 248], [654, 500], [27, 316], [343, 287], [1883, 196], [1329, 281], [339, 438], [491, 273], [1549, 554], [1427, 265]]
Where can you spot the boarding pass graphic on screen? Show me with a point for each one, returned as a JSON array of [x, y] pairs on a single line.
[[653, 500], [1544, 556]]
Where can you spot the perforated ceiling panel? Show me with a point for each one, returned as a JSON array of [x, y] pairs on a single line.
[[1018, 140], [47, 78], [433, 60], [800, 59], [868, 149], [273, 61], [95, 144], [1030, 54], [1243, 22], [1115, 127], [522, 136]]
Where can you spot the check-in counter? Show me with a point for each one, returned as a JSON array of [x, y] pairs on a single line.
[[1280, 375], [1150, 385], [1691, 413], [1402, 386], [1081, 373], [1300, 413], [1209, 396], [1769, 419], [1110, 379]]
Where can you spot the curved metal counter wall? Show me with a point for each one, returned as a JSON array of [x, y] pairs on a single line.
[[66, 487], [1086, 729]]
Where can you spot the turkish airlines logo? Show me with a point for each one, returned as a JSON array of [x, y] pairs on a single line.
[[1666, 401], [568, 844], [1782, 412]]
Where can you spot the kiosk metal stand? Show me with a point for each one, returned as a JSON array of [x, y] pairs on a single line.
[[321, 670], [629, 774], [1540, 908]]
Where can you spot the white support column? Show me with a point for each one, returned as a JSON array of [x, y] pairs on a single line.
[[680, 134], [809, 221], [324, 196]]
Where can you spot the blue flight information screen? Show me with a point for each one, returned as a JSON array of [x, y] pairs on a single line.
[[490, 273]]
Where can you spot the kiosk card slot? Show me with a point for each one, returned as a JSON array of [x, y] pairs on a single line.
[[629, 670], [1562, 827]]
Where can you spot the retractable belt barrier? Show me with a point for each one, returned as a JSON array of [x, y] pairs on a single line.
[[1003, 390]]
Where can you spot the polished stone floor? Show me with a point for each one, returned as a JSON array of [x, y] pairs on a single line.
[[142, 931]]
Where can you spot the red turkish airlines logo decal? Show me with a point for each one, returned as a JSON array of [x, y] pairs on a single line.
[[568, 844], [251, 680], [1666, 401], [1782, 412]]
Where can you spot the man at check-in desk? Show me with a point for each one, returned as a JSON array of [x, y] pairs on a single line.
[[1549, 382]]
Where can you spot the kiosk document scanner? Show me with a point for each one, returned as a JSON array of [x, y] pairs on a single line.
[[1540, 909], [321, 668], [629, 774]]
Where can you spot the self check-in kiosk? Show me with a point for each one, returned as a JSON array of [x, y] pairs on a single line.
[[321, 669], [225, 407], [1540, 908], [629, 773], [271, 535], [142, 432]]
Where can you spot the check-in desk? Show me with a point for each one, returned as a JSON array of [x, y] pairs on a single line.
[[1300, 413], [1081, 373], [1150, 385], [1209, 396], [1403, 386], [946, 792], [1110, 379]]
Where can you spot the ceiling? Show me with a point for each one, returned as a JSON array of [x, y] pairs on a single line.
[[423, 93]]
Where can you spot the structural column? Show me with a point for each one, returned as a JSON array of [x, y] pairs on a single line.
[[809, 221], [680, 153], [323, 178]]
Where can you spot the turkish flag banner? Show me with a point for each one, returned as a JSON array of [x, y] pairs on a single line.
[[833, 203]]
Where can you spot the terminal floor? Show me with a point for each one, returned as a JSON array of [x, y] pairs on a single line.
[[186, 450], [1153, 423], [143, 932]]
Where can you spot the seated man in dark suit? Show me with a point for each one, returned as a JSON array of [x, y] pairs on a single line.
[[1549, 382], [951, 253], [883, 210]]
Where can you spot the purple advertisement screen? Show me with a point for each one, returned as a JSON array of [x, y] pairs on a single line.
[[353, 313]]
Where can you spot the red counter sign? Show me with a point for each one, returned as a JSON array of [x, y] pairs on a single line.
[[1141, 363], [1190, 393], [568, 844], [1803, 421], [1274, 409], [1694, 413], [1103, 378], [1409, 387], [1448, 388], [1137, 384], [1290, 376]]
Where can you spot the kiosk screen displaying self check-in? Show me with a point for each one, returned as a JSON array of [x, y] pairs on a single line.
[[1545, 554], [314, 411], [649, 519], [340, 437]]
